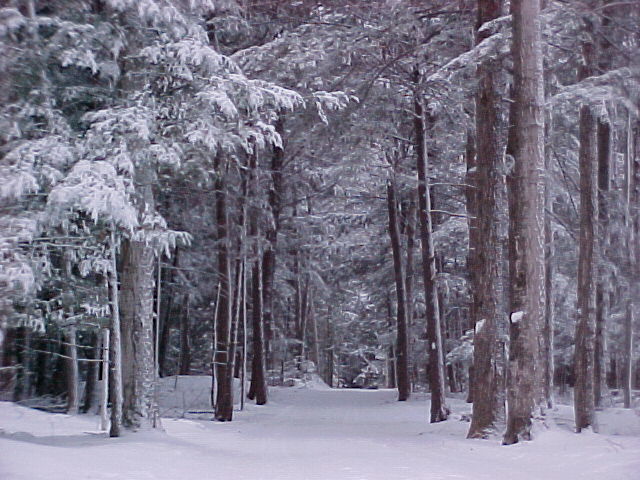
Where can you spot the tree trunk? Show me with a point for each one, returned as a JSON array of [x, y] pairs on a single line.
[[224, 393], [402, 350], [136, 307], [602, 293], [633, 227], [584, 405], [411, 243], [258, 385], [435, 366], [548, 328], [115, 345], [488, 395], [526, 226], [269, 257]]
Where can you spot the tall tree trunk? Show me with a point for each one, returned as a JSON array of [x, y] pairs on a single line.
[[269, 257], [258, 385], [633, 232], [471, 197], [402, 349], [115, 345], [488, 395], [585, 326], [526, 226], [602, 293], [224, 393], [137, 314], [435, 366], [548, 327]]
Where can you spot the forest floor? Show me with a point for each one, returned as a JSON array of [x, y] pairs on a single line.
[[312, 433]]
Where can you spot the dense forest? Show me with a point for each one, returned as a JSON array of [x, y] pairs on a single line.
[[436, 196]]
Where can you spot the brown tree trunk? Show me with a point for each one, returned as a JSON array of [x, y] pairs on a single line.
[[526, 226], [435, 366], [402, 352], [224, 393], [258, 385], [548, 327], [602, 293], [586, 323], [488, 395], [136, 310]]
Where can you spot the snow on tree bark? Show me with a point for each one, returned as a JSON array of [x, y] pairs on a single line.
[[526, 232], [488, 395], [584, 405], [136, 310], [115, 343]]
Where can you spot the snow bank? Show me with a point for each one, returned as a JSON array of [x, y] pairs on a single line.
[[309, 434]]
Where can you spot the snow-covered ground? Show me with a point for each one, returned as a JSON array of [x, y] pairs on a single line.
[[310, 433]]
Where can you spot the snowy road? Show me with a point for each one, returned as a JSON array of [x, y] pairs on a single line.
[[305, 434]]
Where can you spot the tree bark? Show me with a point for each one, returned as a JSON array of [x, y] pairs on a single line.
[[258, 385], [115, 345], [224, 393], [488, 395], [435, 366], [602, 291], [402, 340], [526, 226], [548, 327], [136, 307], [584, 405], [411, 241], [269, 257]]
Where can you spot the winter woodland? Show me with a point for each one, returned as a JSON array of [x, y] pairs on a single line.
[[269, 239]]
